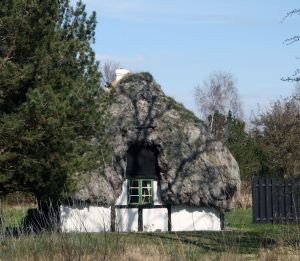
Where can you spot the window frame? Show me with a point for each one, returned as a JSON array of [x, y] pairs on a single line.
[[140, 191]]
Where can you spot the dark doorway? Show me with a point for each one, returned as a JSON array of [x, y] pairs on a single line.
[[142, 162]]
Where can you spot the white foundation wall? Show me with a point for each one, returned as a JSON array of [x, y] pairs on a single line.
[[127, 219], [183, 218], [98, 219], [155, 220], [85, 218], [186, 218], [92, 218]]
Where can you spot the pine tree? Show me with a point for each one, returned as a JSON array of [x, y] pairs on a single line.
[[50, 122], [244, 148]]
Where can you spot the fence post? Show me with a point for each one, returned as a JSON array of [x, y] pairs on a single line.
[[275, 209], [255, 200], [288, 201], [281, 201], [262, 200], [269, 203]]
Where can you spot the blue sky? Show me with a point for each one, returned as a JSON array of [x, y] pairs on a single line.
[[181, 42]]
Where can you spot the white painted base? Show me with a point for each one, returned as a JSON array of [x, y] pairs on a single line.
[[185, 218], [92, 218], [85, 218], [127, 220], [155, 220], [97, 219]]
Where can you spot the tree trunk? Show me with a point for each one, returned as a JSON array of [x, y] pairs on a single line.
[[44, 218], [49, 214]]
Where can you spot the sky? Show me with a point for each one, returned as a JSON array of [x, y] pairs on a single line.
[[182, 42]]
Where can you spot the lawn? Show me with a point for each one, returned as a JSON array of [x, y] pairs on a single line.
[[240, 240]]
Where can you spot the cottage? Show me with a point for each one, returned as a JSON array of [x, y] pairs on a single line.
[[167, 172]]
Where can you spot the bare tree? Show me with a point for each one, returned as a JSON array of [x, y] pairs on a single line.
[[295, 38], [218, 94], [108, 71]]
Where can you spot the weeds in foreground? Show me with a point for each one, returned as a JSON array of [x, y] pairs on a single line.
[[241, 240]]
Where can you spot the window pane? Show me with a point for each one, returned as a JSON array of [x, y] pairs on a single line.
[[134, 199], [134, 183], [146, 183], [146, 199], [140, 191], [134, 191], [146, 191]]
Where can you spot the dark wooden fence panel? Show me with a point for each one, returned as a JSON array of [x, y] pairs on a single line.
[[255, 199], [276, 200], [269, 202], [281, 201]]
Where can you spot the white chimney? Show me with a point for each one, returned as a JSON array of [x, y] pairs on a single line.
[[120, 73]]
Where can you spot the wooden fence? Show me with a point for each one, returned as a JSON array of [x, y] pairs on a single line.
[[276, 200]]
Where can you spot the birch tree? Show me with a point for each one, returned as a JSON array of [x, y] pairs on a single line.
[[218, 94], [108, 71]]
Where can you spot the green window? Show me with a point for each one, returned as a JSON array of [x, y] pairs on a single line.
[[140, 191]]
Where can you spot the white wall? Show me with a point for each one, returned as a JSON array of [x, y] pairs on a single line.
[[122, 199], [155, 220], [96, 218], [85, 218], [127, 220], [186, 218]]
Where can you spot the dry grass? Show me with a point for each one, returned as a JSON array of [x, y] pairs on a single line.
[[280, 253], [139, 246], [18, 199], [242, 241], [244, 199], [147, 254], [132, 254]]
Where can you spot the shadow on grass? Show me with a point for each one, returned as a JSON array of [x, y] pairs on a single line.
[[239, 242], [34, 222]]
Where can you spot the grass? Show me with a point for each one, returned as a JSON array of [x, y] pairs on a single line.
[[14, 215], [241, 240]]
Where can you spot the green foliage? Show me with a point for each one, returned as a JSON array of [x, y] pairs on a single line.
[[244, 148], [50, 118], [218, 125], [272, 147], [277, 131], [13, 216], [241, 144]]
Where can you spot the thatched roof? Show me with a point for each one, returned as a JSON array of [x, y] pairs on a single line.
[[195, 169]]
